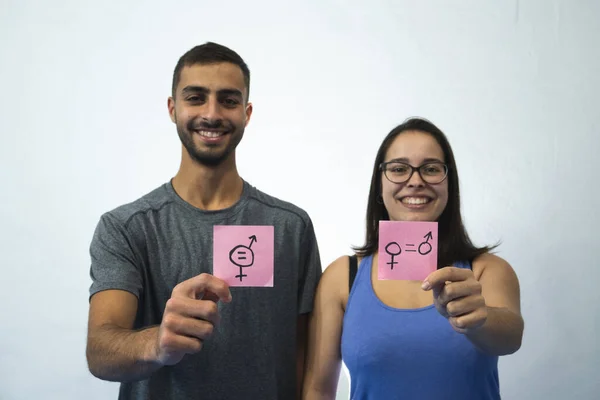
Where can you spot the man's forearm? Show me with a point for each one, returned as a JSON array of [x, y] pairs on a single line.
[[500, 335], [120, 355]]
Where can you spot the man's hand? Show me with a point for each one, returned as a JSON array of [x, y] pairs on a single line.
[[189, 318], [457, 296]]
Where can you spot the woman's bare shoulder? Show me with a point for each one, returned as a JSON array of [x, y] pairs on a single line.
[[336, 277], [490, 262]]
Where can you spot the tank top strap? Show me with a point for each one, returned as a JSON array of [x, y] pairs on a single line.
[[362, 280], [464, 264]]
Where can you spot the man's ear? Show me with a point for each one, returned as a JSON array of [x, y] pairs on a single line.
[[248, 112], [171, 107]]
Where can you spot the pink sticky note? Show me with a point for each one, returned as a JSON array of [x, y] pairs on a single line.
[[243, 254], [407, 250]]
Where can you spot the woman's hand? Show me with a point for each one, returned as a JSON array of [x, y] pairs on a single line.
[[457, 296]]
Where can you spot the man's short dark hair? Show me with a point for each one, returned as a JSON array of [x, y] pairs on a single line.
[[210, 53]]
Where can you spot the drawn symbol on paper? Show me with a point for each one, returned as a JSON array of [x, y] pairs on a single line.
[[393, 249], [425, 247], [243, 256]]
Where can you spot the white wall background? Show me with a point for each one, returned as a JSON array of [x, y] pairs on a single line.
[[85, 128]]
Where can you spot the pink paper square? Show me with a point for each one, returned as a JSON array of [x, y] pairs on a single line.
[[407, 250], [243, 254]]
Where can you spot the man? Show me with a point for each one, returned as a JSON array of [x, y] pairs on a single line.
[[160, 321]]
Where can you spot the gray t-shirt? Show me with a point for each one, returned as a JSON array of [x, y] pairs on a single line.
[[149, 246]]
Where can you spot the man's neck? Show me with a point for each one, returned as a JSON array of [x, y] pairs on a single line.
[[208, 188]]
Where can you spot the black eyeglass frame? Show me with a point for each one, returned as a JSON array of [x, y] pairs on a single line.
[[383, 165]]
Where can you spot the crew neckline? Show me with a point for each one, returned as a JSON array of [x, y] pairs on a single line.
[[211, 214]]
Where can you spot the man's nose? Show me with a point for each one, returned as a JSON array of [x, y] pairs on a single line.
[[212, 111]]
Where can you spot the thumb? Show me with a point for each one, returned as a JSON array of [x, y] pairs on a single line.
[[208, 295], [437, 289]]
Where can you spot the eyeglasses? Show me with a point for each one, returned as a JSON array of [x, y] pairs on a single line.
[[399, 172]]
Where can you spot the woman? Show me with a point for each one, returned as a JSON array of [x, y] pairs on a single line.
[[436, 339]]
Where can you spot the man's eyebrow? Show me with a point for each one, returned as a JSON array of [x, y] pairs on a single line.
[[194, 89], [201, 89], [230, 92]]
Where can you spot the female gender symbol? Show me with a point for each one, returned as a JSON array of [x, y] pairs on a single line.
[[393, 252]]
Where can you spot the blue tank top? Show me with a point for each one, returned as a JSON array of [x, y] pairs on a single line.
[[409, 354]]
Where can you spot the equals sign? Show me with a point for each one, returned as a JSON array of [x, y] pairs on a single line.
[[240, 257], [411, 251]]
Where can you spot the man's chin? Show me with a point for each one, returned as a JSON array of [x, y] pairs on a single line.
[[206, 153], [209, 160]]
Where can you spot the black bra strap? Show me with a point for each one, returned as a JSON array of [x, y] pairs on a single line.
[[353, 268]]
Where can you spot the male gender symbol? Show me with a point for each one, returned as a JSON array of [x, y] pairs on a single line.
[[425, 247]]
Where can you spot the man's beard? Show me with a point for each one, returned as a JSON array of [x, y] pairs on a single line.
[[208, 158]]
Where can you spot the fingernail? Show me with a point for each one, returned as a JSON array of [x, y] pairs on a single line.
[[425, 285]]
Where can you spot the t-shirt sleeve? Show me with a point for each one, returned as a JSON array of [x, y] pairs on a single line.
[[310, 268], [114, 264]]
